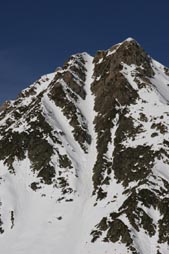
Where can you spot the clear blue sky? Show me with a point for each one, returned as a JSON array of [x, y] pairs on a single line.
[[36, 36]]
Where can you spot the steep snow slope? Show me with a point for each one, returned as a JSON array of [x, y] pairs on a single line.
[[84, 158], [37, 210]]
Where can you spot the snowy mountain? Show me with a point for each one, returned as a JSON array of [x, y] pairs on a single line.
[[84, 158]]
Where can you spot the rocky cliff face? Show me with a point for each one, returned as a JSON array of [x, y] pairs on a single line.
[[84, 158]]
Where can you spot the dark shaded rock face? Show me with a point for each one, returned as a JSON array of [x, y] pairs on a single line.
[[93, 137], [114, 94]]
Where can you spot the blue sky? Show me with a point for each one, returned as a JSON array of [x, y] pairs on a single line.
[[37, 36]]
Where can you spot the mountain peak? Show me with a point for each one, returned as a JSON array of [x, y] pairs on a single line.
[[128, 52], [130, 39], [84, 158]]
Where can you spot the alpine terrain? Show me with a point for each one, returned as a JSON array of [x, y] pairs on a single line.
[[84, 158]]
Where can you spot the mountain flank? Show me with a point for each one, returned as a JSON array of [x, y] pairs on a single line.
[[84, 158]]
